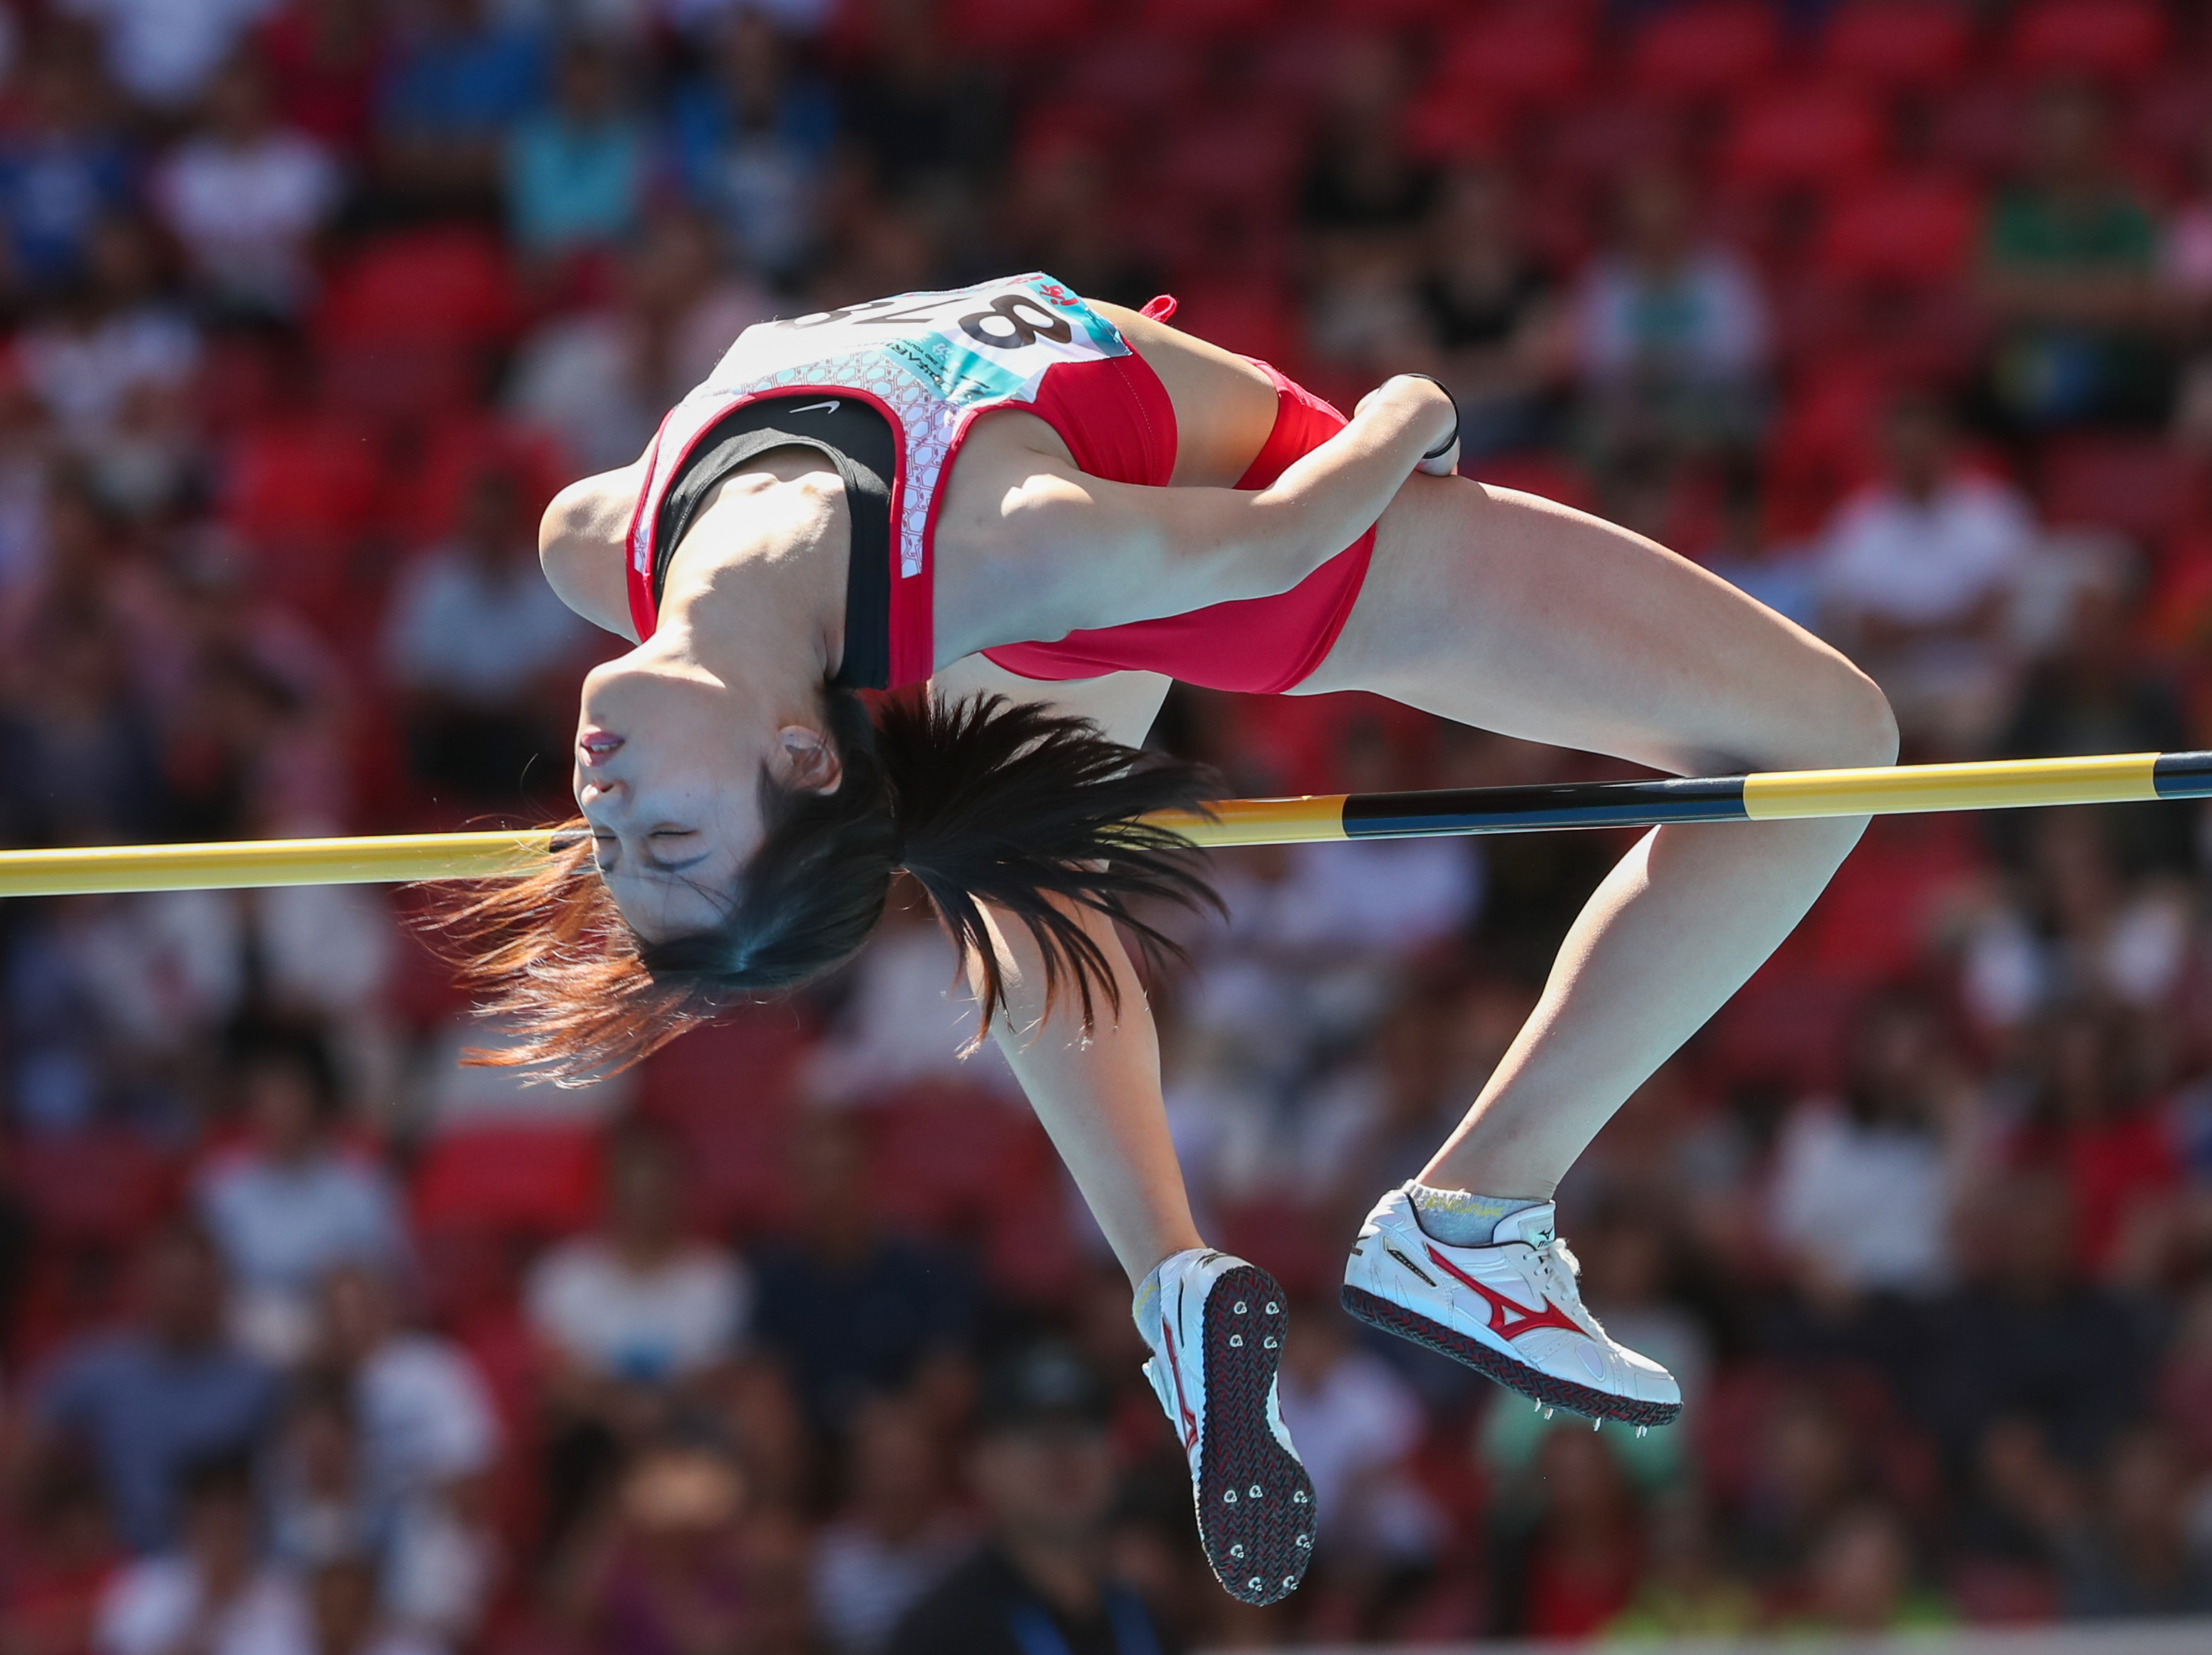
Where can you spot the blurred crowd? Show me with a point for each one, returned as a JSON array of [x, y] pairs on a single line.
[[1896, 313]]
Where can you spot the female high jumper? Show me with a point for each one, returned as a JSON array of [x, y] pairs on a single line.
[[1030, 513]]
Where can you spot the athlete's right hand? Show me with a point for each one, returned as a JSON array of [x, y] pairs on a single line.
[[1428, 411]]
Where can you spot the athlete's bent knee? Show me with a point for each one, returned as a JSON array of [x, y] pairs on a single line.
[[1856, 729]]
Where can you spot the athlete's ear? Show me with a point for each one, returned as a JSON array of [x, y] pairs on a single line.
[[804, 758]]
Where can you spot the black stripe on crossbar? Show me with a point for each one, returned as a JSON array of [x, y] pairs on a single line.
[[1566, 804], [2183, 775]]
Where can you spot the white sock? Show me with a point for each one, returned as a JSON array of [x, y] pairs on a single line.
[[1461, 1218]]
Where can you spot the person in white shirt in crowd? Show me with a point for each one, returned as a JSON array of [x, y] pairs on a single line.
[[479, 647], [639, 1301], [1671, 331], [898, 1532], [1918, 573], [1865, 1187], [246, 196], [1356, 1424], [164, 51], [294, 1200], [112, 338], [426, 1439], [600, 380], [217, 1593]]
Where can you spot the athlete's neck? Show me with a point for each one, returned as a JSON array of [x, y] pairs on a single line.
[[755, 593]]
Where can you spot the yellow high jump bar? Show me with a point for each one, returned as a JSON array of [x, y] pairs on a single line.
[[1768, 795]]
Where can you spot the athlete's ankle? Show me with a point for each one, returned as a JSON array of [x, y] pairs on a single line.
[[1463, 1218], [1144, 1300]]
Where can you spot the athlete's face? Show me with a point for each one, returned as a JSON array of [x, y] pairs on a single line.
[[668, 766]]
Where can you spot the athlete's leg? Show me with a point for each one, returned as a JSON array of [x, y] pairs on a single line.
[[1497, 609]]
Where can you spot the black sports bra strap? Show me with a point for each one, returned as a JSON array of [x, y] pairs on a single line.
[[855, 438]]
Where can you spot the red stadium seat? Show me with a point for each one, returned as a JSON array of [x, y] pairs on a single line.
[[443, 286], [543, 1179], [2121, 40], [1131, 73], [1898, 43], [304, 483], [1706, 48], [1211, 19], [1241, 157], [1010, 28], [2140, 486], [104, 1187], [1820, 136], [1907, 230], [1520, 57]]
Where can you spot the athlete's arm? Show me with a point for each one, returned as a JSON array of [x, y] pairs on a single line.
[[1098, 1096], [582, 543], [1167, 551]]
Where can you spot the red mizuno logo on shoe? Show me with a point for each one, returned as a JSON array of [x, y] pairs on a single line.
[[1189, 1419], [1509, 1320]]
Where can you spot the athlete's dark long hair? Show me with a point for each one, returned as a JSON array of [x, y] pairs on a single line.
[[983, 802]]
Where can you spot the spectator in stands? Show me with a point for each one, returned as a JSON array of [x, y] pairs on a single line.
[[425, 1443], [1362, 184], [2074, 925], [454, 86], [1494, 313], [929, 119], [640, 1305], [2092, 1117], [65, 1555], [1918, 573], [83, 733], [2029, 1335], [1686, 1592], [2096, 690], [896, 1536], [325, 59], [164, 51], [325, 1514], [1670, 332], [1061, 215], [115, 333], [576, 170], [1358, 1424], [1568, 1548], [851, 1310], [2137, 1555], [2069, 264], [294, 1200], [667, 1568], [217, 1592], [65, 165], [246, 197], [1864, 1186], [1860, 1579], [343, 1604], [165, 1392], [602, 380], [480, 648], [2185, 273], [1043, 1468], [753, 143]]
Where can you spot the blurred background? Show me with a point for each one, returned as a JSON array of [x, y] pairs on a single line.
[[1898, 313]]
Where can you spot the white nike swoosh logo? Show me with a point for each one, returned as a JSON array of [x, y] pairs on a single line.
[[829, 407]]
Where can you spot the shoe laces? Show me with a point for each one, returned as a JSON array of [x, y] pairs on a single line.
[[1562, 1273]]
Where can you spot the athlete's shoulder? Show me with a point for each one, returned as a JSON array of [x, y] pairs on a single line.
[[583, 545]]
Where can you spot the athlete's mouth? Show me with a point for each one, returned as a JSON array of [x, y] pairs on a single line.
[[596, 746]]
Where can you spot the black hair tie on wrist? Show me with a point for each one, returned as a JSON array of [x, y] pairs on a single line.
[[1446, 447]]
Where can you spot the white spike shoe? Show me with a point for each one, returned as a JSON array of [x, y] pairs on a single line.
[[1511, 1311], [1215, 1325]]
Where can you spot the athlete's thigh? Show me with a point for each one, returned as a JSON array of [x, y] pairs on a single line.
[[1499, 609]]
